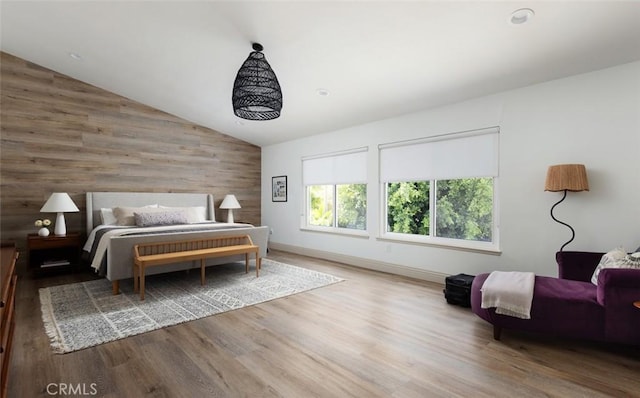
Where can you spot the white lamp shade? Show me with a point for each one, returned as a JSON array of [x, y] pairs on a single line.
[[230, 202], [59, 202]]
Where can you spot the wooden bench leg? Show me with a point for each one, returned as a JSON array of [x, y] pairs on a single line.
[[141, 282], [202, 276], [115, 287], [136, 279], [140, 262]]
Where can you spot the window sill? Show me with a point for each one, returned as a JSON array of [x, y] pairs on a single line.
[[452, 244], [337, 231]]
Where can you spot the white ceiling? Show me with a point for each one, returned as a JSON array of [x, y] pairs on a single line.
[[378, 59]]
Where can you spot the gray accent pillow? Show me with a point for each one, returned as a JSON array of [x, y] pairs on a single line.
[[149, 219], [124, 215], [616, 258]]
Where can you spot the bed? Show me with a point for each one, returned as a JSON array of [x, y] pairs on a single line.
[[109, 248]]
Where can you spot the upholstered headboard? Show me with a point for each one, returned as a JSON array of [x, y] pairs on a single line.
[[98, 200]]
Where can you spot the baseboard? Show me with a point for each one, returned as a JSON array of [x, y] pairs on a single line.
[[375, 265]]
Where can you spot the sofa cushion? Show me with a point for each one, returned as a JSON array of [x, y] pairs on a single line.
[[577, 266], [560, 307]]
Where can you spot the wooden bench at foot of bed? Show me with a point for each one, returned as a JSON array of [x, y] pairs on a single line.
[[160, 253]]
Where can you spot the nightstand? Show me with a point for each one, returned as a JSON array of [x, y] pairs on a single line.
[[49, 254]]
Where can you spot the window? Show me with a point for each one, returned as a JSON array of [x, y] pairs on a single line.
[[442, 190], [464, 209], [321, 200], [408, 207], [336, 191]]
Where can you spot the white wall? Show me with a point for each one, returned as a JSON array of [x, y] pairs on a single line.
[[592, 118]]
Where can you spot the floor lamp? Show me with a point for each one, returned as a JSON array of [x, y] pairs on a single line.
[[566, 177]]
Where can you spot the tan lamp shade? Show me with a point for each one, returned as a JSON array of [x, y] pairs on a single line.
[[570, 177]]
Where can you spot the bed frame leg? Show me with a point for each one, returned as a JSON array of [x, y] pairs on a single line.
[[115, 287], [497, 331]]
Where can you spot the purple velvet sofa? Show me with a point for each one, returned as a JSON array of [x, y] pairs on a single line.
[[571, 306]]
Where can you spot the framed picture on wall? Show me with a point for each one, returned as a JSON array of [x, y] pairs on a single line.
[[279, 189]]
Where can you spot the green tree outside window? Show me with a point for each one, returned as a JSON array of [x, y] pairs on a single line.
[[463, 208], [350, 208]]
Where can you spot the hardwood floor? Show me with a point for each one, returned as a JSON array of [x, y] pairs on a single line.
[[373, 335]]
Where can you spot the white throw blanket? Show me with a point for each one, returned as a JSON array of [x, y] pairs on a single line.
[[510, 293]]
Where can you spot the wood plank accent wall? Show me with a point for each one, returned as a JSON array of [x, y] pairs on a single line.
[[62, 135]]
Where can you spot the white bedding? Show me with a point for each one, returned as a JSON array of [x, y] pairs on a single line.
[[92, 236], [117, 250], [103, 245]]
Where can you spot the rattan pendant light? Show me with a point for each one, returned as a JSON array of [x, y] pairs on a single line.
[[256, 91]]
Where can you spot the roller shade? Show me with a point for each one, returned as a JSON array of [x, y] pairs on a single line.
[[459, 155], [348, 167]]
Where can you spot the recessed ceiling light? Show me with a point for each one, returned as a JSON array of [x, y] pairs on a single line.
[[521, 16], [75, 56], [322, 92]]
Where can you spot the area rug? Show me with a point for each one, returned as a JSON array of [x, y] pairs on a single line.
[[86, 314]]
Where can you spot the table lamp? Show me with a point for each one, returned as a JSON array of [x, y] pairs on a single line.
[[59, 202], [230, 202], [566, 177]]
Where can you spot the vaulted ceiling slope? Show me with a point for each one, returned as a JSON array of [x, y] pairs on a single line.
[[376, 59]]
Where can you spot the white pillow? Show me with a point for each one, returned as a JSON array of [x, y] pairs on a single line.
[[124, 215], [194, 214], [108, 218], [616, 258]]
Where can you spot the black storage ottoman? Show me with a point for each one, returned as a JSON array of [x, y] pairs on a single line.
[[457, 289]]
